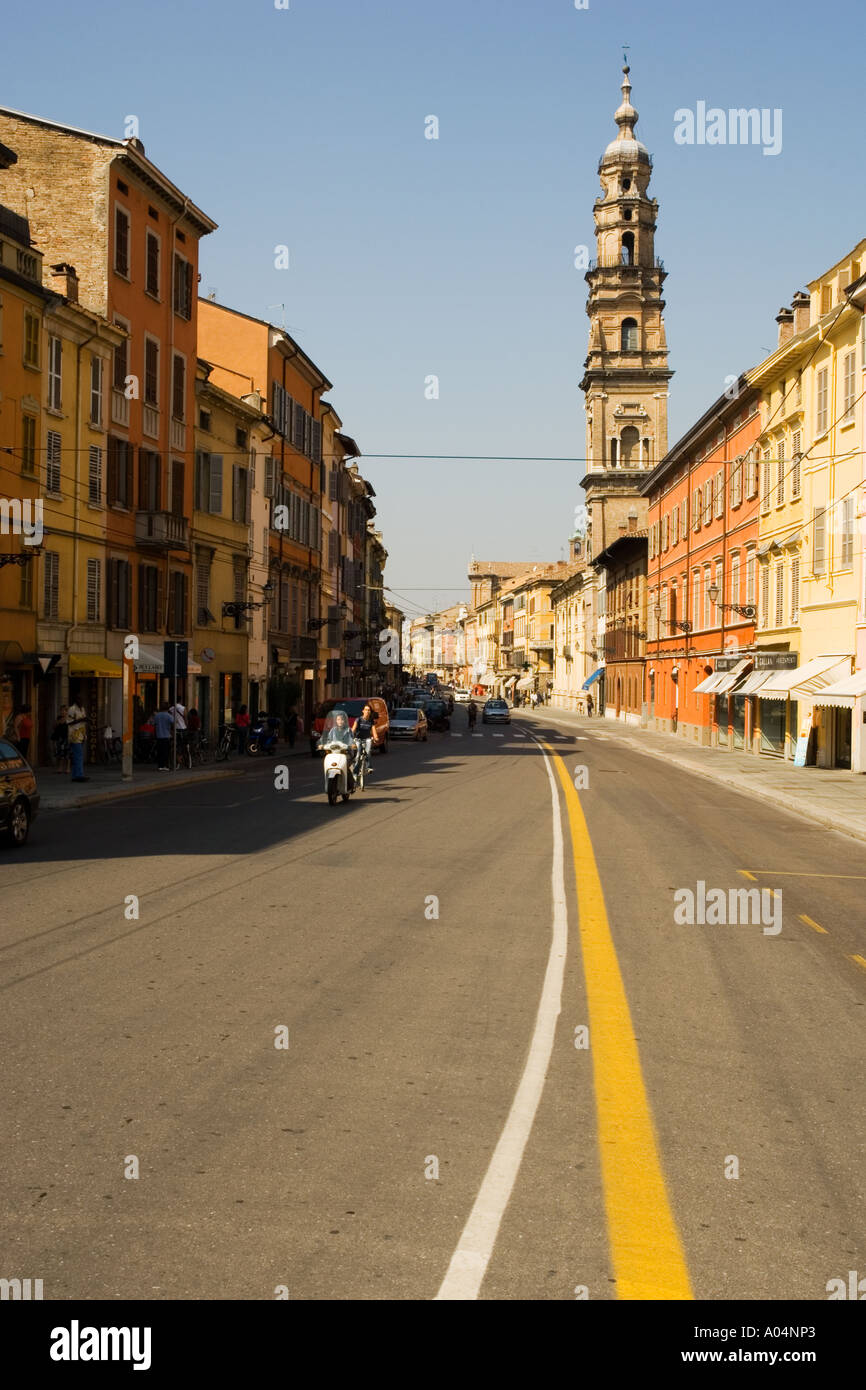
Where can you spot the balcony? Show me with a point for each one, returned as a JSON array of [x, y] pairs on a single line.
[[150, 421], [119, 409], [178, 435], [161, 531], [541, 644]]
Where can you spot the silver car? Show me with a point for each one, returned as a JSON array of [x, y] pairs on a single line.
[[409, 723]]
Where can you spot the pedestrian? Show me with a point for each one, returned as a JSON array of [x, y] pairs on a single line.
[[76, 720], [163, 723], [22, 728], [178, 714], [589, 706], [193, 729], [60, 742], [292, 726], [472, 713], [242, 724]]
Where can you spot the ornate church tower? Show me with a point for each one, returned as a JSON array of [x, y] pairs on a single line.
[[626, 371]]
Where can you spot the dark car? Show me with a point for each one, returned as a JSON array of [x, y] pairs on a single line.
[[496, 712], [19, 794], [437, 715]]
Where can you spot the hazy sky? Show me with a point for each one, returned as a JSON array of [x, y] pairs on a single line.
[[412, 257]]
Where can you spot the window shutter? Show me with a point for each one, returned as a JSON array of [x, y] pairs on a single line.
[[236, 492], [819, 540], [126, 464], [95, 474], [795, 588], [298, 427], [248, 495], [765, 596], [215, 499], [178, 479], [52, 461], [93, 591]]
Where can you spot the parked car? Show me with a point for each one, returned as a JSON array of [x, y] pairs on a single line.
[[19, 794], [353, 708], [496, 712], [437, 715], [409, 722]]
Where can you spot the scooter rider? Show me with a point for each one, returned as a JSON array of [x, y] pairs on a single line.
[[338, 731]]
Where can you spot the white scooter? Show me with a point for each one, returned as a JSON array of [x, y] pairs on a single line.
[[337, 781]]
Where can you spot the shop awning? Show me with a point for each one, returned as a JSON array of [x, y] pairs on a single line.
[[11, 653], [711, 683], [510, 681], [733, 677], [599, 671], [525, 683], [91, 664], [150, 663], [806, 680], [486, 680], [843, 693], [752, 684]]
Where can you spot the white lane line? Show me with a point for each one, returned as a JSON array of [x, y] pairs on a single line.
[[477, 735], [470, 1260], [499, 736], [456, 735]]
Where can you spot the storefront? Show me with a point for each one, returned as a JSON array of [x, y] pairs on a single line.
[[787, 701], [95, 684], [842, 706]]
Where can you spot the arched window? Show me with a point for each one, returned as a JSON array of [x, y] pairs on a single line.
[[613, 445], [628, 248], [628, 336], [629, 447]]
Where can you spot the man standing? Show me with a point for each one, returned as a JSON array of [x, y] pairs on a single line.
[[589, 703], [178, 714], [76, 722], [163, 722]]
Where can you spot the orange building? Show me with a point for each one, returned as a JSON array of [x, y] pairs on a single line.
[[132, 240], [246, 355], [702, 576]]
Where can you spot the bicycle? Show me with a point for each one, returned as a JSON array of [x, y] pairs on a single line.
[[200, 750], [227, 740], [363, 769]]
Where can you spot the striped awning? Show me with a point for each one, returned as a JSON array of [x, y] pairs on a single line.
[[843, 693], [733, 677], [752, 684], [806, 680], [712, 683]]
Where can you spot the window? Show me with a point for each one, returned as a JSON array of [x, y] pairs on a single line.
[[53, 456], [780, 472], [629, 453], [752, 466], [96, 391], [780, 594], [240, 437], [177, 602], [751, 594], [675, 525], [209, 482], [765, 596], [240, 493], [684, 517], [121, 358], [628, 336], [119, 472], [94, 475], [25, 588], [819, 540], [28, 445], [720, 492], [151, 372], [822, 418], [94, 591], [708, 502], [178, 387], [848, 392], [202, 589], [121, 241], [707, 618], [31, 340], [149, 480], [178, 486], [148, 598], [50, 584], [847, 555], [735, 578], [119, 595], [766, 482], [182, 287], [152, 264], [737, 483], [720, 585], [696, 509], [795, 589], [795, 467], [696, 597], [55, 373], [204, 420]]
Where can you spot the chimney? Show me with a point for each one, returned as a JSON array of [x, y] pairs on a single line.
[[800, 305], [65, 281], [785, 320]]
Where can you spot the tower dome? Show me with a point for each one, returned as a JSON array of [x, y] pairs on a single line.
[[626, 147]]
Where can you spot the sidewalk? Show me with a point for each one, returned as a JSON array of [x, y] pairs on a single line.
[[59, 793], [829, 796]]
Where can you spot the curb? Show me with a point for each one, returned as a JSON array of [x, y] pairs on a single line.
[[124, 791], [783, 801]]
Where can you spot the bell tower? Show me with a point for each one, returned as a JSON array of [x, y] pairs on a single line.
[[626, 374]]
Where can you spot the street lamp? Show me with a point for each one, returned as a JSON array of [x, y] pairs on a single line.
[[316, 624], [684, 626], [237, 610], [747, 610]]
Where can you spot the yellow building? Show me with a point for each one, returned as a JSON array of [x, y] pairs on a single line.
[[805, 476], [229, 442]]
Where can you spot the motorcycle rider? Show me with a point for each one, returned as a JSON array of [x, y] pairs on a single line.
[[337, 730]]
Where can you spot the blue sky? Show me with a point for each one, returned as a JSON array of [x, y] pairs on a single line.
[[411, 257]]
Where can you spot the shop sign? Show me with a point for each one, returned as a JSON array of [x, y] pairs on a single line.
[[776, 661]]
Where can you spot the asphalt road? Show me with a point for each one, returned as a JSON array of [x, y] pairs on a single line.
[[412, 945]]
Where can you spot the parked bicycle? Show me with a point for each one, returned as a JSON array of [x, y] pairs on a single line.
[[228, 740]]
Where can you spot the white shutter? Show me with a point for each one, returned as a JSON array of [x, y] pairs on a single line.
[[94, 492], [215, 497], [94, 591]]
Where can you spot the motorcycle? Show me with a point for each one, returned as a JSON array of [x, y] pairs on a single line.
[[264, 735], [338, 778]]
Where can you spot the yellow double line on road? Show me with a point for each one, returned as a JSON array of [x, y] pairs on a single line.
[[648, 1257]]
